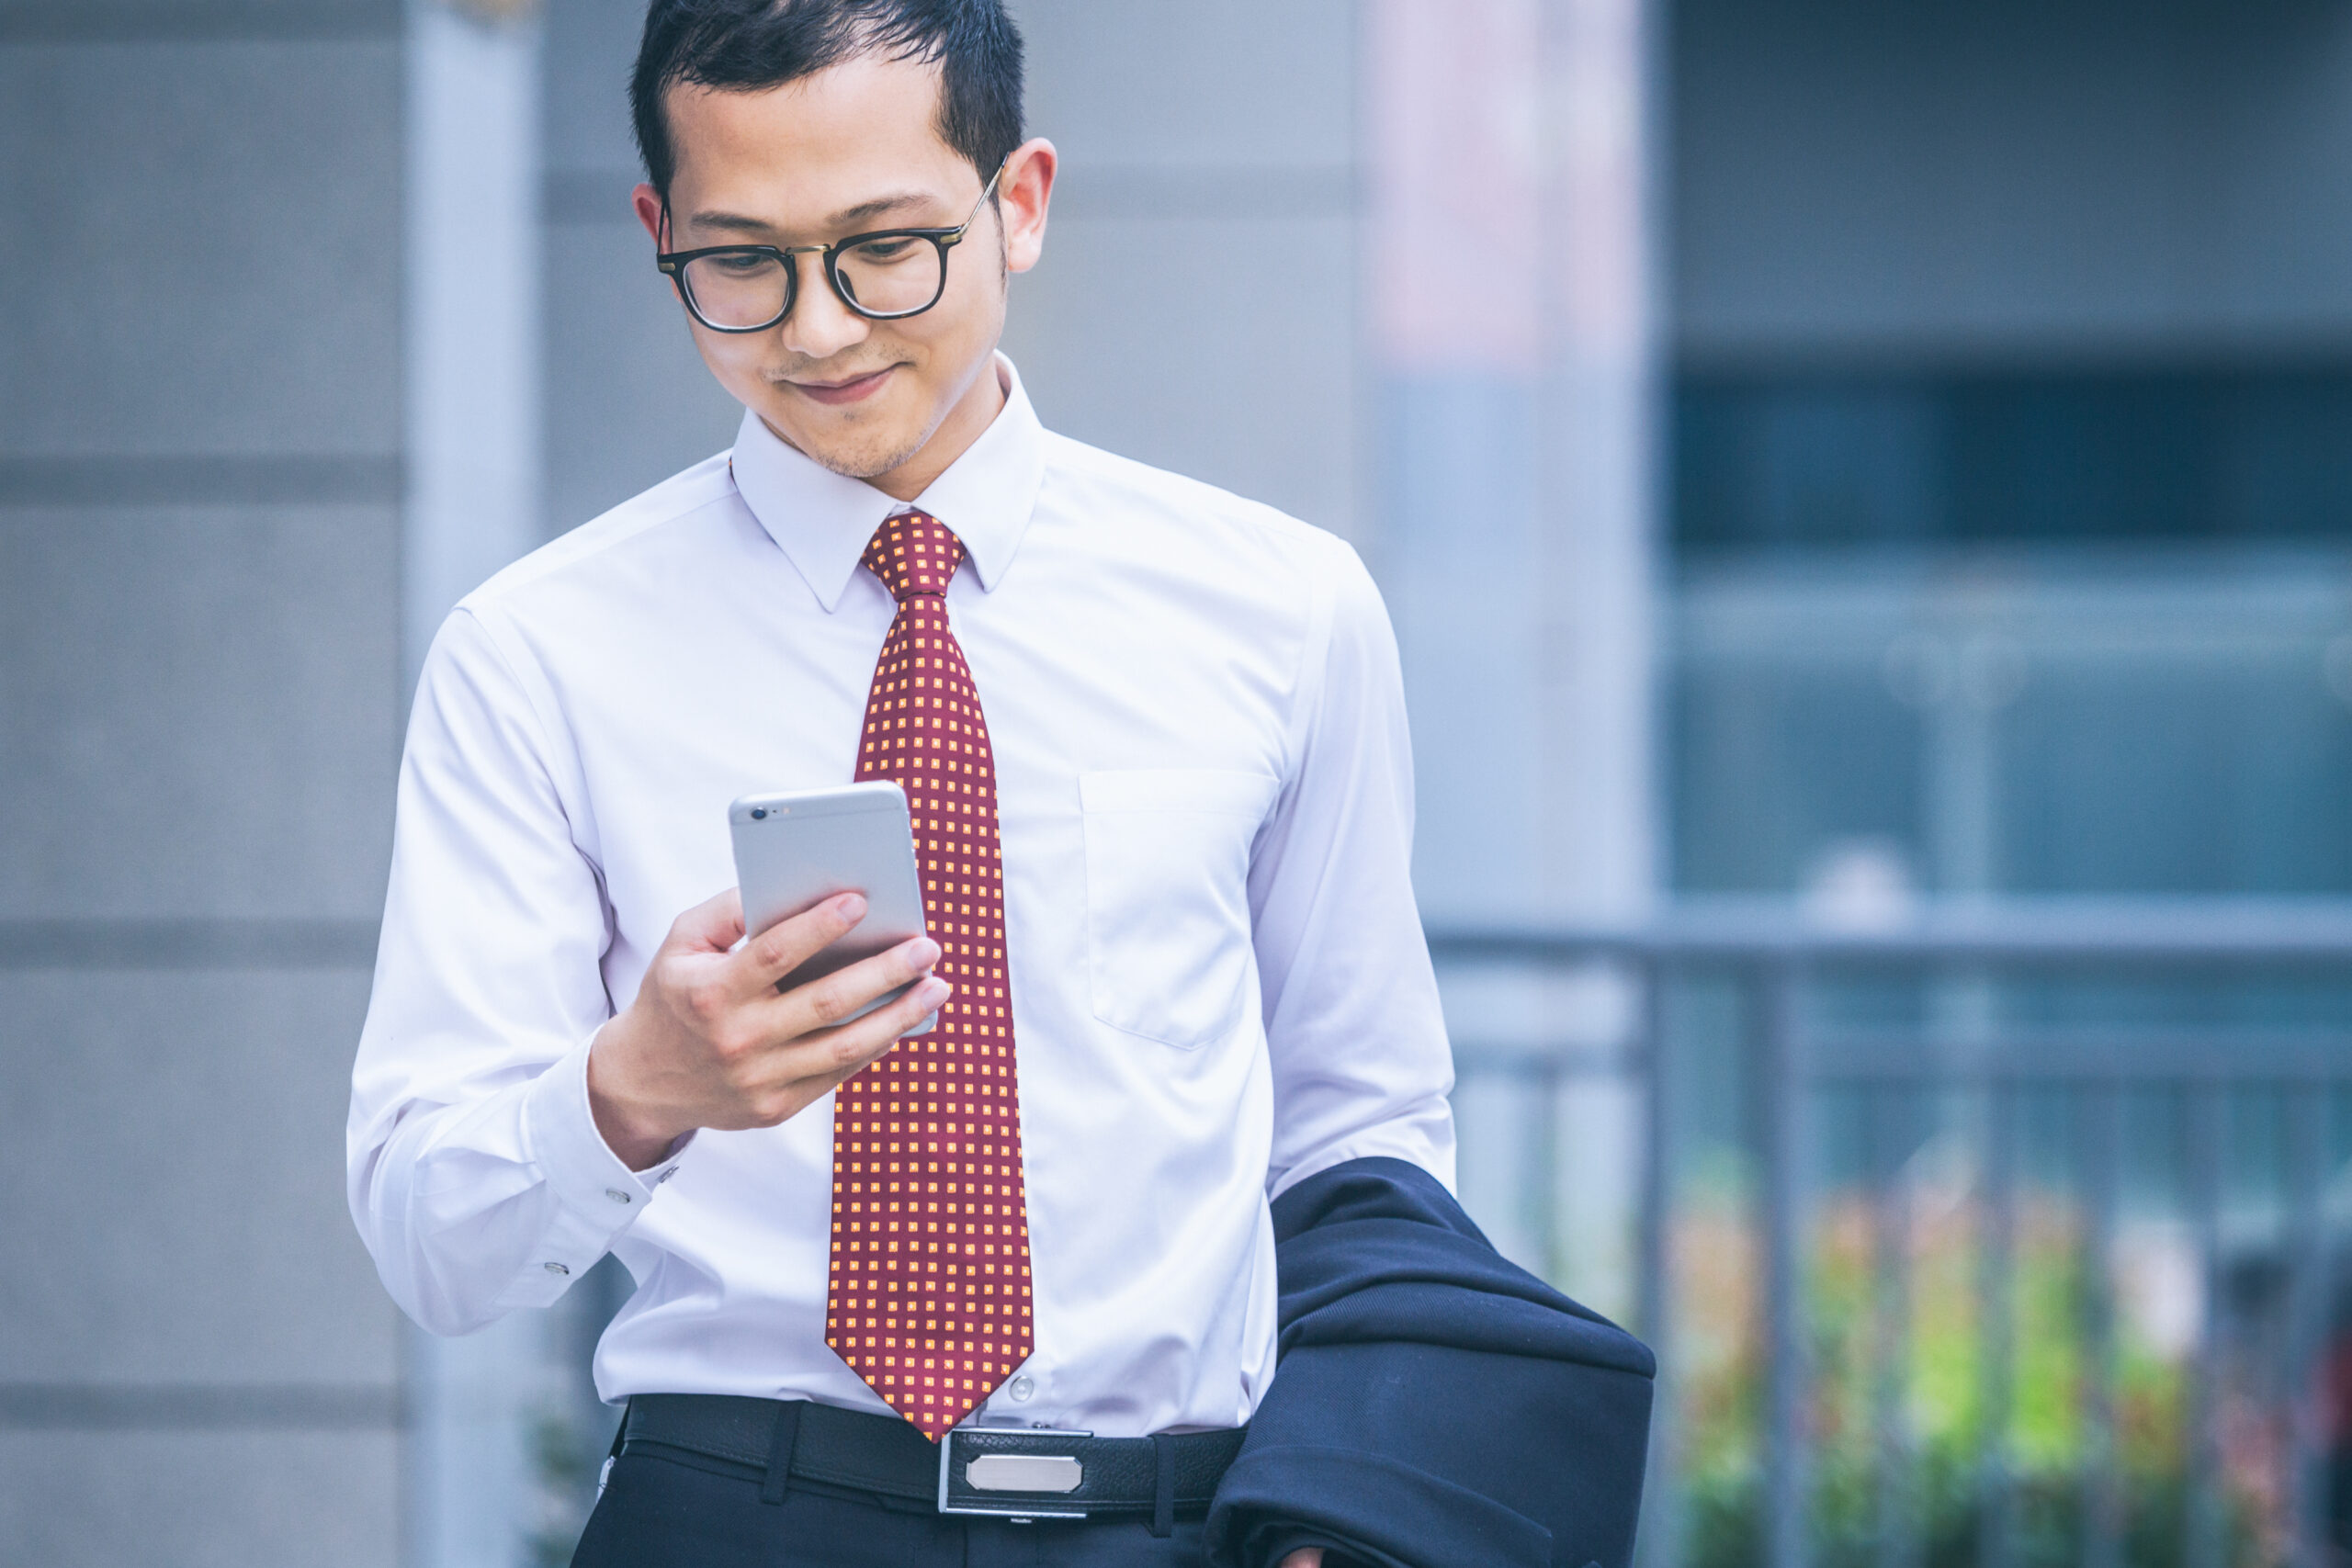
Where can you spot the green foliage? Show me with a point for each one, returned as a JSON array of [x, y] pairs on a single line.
[[1903, 1465]]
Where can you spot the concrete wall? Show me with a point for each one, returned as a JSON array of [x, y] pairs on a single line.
[[200, 429], [1197, 307], [627, 400]]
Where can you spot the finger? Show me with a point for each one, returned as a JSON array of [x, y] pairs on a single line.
[[1304, 1557], [832, 999], [834, 1055], [712, 926], [786, 945]]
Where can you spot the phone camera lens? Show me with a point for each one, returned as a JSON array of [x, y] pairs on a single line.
[[758, 812]]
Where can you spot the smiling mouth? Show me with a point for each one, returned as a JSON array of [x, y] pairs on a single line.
[[857, 388]]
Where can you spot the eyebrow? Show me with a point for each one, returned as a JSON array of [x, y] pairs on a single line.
[[841, 221]]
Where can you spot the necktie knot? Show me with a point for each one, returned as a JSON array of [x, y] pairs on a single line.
[[915, 555]]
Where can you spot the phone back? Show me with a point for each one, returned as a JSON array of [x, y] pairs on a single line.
[[794, 850]]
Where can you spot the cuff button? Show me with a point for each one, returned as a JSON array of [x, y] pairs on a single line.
[[617, 1195]]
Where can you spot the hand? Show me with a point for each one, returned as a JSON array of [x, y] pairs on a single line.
[[709, 1042], [1304, 1557]]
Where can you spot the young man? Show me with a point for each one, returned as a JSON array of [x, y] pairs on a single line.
[[1154, 747]]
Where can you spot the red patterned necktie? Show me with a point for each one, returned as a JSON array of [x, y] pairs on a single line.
[[928, 1296]]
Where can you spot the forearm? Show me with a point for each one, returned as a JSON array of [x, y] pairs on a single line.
[[476, 1208]]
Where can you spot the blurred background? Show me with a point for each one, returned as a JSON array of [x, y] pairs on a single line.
[[1865, 494]]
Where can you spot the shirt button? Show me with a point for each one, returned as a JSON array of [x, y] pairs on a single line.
[[617, 1195], [665, 1176], [554, 1268], [1021, 1388]]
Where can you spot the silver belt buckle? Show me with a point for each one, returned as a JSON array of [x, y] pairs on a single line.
[[1015, 1472]]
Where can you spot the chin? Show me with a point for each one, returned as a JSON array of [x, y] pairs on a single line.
[[860, 459], [859, 449]]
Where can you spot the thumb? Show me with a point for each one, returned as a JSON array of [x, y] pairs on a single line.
[[1304, 1557], [712, 926]]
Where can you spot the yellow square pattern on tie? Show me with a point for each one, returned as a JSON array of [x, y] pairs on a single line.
[[928, 1299]]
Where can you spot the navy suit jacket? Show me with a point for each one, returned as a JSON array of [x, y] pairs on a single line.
[[1434, 1406]]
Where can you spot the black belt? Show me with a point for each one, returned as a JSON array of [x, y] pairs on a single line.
[[1006, 1470]]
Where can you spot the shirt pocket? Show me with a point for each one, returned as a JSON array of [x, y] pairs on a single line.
[[1167, 897]]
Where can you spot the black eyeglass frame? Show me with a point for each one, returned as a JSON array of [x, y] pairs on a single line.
[[674, 265]]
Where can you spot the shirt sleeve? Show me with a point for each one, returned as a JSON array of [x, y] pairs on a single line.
[[477, 1176], [1357, 1041]]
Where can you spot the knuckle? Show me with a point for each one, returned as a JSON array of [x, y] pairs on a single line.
[[704, 1004], [829, 1004]]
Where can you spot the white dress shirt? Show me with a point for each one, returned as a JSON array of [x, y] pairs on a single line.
[[1219, 983]]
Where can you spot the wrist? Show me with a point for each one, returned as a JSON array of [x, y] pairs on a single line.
[[638, 1134]]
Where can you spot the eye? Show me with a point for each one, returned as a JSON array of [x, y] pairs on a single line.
[[740, 263], [883, 252]]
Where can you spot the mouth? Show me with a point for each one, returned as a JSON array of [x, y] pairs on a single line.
[[835, 394]]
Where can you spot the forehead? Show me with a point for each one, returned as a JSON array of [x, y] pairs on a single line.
[[824, 143]]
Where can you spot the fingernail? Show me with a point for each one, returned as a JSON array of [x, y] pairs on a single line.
[[935, 989], [849, 907], [927, 953]]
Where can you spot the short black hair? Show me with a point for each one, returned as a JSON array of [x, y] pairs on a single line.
[[746, 45]]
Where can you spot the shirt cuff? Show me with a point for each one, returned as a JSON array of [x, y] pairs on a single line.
[[1399, 1141], [596, 1195]]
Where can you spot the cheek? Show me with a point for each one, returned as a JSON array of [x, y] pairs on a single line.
[[739, 362], [978, 278], [971, 311], [731, 348]]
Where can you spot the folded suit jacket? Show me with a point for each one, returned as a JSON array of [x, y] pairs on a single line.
[[1433, 1407]]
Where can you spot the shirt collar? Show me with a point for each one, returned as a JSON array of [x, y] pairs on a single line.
[[821, 520]]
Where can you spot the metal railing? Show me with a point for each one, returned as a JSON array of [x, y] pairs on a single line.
[[2200, 1009]]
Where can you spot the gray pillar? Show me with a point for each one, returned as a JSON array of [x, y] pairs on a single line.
[[1509, 265], [472, 279], [473, 362]]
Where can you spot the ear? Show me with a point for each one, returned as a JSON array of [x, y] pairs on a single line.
[[647, 203], [1022, 194]]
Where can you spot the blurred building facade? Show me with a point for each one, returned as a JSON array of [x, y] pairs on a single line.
[[2013, 446], [1809, 447]]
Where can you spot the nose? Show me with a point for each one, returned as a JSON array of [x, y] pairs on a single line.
[[820, 325]]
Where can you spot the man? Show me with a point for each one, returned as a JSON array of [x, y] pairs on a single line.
[[1164, 812]]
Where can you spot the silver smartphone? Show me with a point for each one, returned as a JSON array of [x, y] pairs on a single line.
[[793, 852]]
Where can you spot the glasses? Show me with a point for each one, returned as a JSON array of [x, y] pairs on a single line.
[[886, 276]]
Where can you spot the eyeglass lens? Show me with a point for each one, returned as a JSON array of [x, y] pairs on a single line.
[[887, 276]]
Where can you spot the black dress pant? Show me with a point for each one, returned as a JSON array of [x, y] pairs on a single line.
[[662, 1513]]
